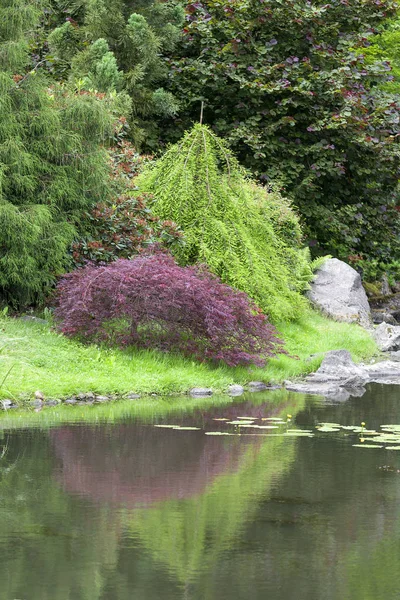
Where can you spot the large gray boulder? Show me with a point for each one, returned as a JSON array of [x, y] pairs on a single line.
[[338, 292], [387, 337], [338, 366], [338, 377]]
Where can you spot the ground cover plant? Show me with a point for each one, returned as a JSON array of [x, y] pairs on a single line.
[[248, 236], [151, 302]]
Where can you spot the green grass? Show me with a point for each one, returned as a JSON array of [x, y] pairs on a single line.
[[41, 359]]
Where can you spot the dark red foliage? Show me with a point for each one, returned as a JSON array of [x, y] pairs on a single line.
[[151, 302], [123, 226]]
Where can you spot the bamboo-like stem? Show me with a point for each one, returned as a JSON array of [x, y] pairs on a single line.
[[201, 112]]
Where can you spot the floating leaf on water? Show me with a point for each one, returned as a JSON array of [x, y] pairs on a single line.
[[167, 426], [187, 428], [392, 448], [350, 427], [297, 434], [218, 433], [259, 426], [248, 418], [366, 446], [326, 429], [222, 419], [273, 419], [239, 422], [299, 431], [330, 424]]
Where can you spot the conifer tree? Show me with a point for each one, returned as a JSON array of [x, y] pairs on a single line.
[[52, 164], [119, 46], [246, 235]]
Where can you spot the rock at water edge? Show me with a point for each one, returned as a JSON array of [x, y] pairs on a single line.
[[201, 392]]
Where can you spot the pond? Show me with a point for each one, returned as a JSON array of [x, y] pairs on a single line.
[[102, 506]]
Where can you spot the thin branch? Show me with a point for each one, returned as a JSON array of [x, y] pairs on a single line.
[[31, 72]]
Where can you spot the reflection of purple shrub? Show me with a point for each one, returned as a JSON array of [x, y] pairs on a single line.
[[151, 302]]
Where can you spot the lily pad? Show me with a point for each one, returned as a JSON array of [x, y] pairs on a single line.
[[366, 446], [240, 422], [297, 434], [392, 448], [273, 419], [330, 424], [260, 426], [222, 419], [167, 426], [218, 433], [299, 431], [247, 418], [187, 428], [326, 429]]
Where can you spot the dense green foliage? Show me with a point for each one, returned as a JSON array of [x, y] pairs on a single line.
[[286, 83], [118, 46], [303, 93], [386, 47], [246, 235], [52, 165], [124, 225]]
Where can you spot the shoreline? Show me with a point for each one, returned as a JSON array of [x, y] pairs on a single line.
[[39, 365]]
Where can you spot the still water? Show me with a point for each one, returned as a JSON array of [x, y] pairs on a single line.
[[122, 510]]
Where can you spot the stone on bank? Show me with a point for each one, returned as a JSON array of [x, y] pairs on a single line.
[[338, 292]]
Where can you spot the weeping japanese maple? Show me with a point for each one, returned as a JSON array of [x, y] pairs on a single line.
[[151, 302]]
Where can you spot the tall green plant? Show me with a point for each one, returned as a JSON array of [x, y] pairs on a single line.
[[52, 164], [246, 235]]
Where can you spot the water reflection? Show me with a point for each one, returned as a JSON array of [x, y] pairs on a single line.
[[131, 511], [137, 465]]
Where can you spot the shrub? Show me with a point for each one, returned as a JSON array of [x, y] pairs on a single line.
[[151, 302], [123, 226], [248, 236]]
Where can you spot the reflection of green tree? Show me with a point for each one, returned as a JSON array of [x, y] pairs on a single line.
[[57, 547], [62, 547], [188, 535], [372, 571]]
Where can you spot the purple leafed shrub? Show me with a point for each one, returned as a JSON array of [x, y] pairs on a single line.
[[151, 302]]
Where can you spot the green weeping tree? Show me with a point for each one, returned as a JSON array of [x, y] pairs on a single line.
[[248, 236], [52, 163]]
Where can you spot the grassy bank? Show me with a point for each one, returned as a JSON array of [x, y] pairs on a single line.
[[34, 357]]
